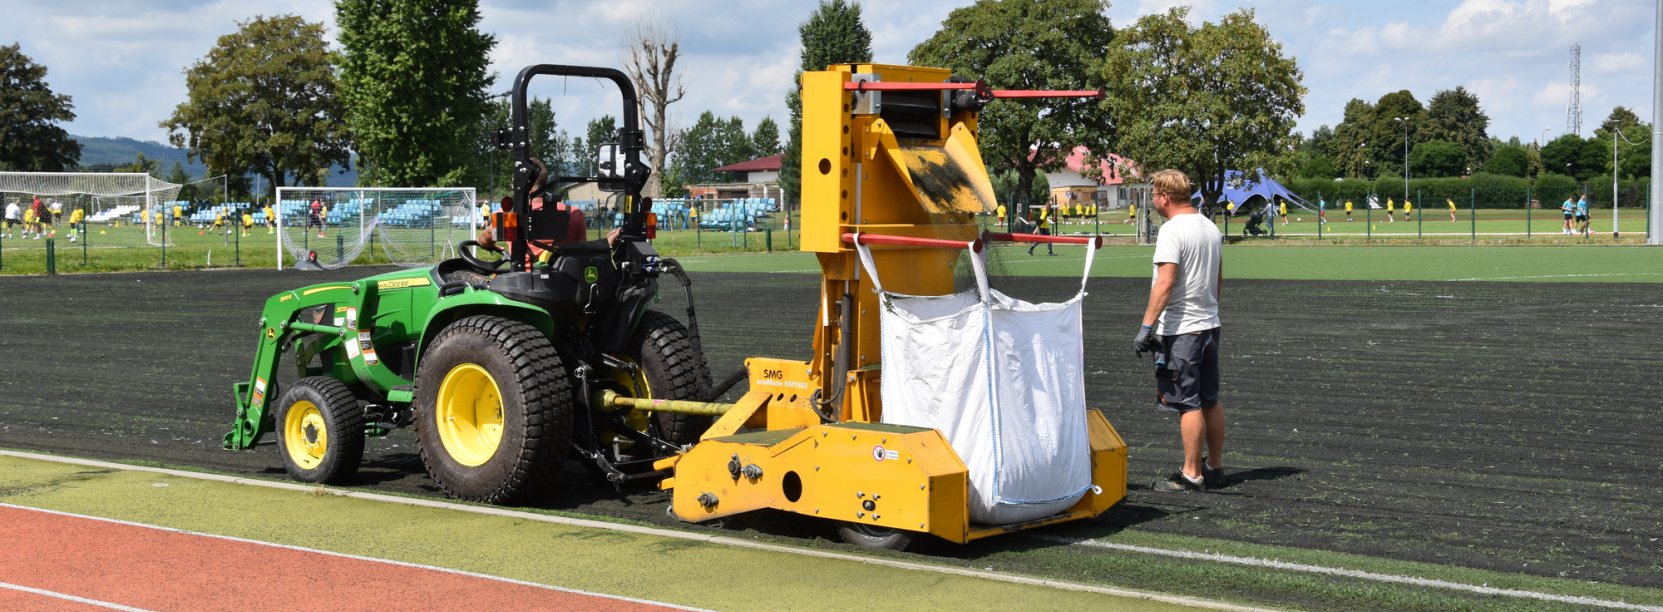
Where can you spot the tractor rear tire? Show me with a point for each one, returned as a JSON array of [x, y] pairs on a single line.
[[493, 410], [320, 431], [675, 369]]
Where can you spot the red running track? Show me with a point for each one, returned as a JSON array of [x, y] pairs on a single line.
[[52, 561]]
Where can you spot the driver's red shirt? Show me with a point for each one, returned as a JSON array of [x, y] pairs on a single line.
[[576, 229]]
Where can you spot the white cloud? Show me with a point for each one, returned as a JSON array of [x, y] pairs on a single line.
[[1625, 61]]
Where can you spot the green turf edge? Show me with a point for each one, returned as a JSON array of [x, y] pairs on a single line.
[[686, 572]]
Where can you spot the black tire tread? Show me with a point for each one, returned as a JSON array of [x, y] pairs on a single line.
[[548, 424], [667, 347]]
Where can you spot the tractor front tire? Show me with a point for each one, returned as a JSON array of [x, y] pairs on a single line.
[[320, 431], [674, 369], [493, 410]]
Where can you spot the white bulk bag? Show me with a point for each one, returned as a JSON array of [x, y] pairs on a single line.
[[1003, 380]]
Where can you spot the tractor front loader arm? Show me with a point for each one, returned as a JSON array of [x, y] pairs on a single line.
[[279, 324]]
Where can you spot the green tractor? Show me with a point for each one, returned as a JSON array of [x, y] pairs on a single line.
[[501, 366]]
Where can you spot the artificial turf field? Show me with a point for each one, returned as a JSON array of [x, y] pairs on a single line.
[[1502, 433]]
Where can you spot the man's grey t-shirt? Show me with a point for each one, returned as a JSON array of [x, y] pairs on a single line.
[[1193, 243]]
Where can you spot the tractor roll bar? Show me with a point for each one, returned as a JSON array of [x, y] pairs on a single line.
[[1096, 242], [975, 246], [631, 141]]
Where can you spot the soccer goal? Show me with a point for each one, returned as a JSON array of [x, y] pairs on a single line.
[[329, 227], [111, 195]]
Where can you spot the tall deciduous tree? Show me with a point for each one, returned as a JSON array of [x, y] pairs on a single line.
[[1204, 99], [1438, 158], [765, 140], [1573, 156], [1633, 142], [601, 130], [263, 101], [30, 138], [1508, 159], [1454, 115], [1620, 116], [710, 144], [414, 77], [1351, 139], [1389, 140], [1029, 44], [834, 34], [652, 66]]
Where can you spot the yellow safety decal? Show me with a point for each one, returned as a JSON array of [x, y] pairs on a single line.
[[322, 289], [401, 283], [259, 392]]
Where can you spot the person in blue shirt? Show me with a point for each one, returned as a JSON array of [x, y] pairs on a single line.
[[1568, 208], [1582, 214], [1322, 211]]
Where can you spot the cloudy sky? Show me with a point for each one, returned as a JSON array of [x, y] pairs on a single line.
[[123, 60]]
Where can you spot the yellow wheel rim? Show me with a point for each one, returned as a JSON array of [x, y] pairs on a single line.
[[469, 414], [305, 434], [634, 385]]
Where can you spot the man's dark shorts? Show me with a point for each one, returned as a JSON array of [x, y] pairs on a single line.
[[1187, 371]]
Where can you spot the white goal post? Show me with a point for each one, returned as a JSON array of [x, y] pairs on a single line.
[[122, 193], [411, 226]]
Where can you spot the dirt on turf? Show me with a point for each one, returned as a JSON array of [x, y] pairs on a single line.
[[1502, 426]]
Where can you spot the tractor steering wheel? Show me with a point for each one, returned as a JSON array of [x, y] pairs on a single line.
[[480, 265]]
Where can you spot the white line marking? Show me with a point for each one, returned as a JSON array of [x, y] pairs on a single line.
[[68, 597], [1350, 573], [1491, 278], [345, 556], [647, 531]]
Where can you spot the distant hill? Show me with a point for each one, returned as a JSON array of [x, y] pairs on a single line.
[[97, 150]]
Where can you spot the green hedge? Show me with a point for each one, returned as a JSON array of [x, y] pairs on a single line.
[[1489, 190]]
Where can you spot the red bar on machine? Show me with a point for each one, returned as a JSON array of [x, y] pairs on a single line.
[[1096, 242], [974, 246], [980, 87]]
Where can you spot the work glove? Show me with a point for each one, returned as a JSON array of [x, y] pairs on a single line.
[[1145, 341]]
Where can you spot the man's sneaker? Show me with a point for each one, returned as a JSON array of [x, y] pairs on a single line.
[[1178, 483], [1213, 477]]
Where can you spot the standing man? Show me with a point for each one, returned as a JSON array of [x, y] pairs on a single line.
[[1131, 214], [1408, 210], [1348, 210], [1567, 209], [1181, 327], [1282, 210], [1044, 225], [1391, 211], [1582, 215], [1451, 203], [1322, 211], [315, 217], [12, 218]]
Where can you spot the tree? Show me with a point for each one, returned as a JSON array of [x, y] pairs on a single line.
[[765, 140], [1620, 116], [1029, 44], [1453, 115], [548, 143], [1351, 138], [1438, 158], [178, 176], [710, 144], [1388, 131], [1633, 143], [833, 34], [652, 66], [1572, 156], [263, 101], [1511, 160], [601, 130], [30, 139], [143, 164], [414, 78], [1207, 99]]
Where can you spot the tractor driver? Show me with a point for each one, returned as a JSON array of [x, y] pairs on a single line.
[[576, 229]]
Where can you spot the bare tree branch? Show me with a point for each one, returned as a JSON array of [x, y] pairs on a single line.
[[651, 65]]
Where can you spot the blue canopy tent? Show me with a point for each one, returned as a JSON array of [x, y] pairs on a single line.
[[1250, 194]]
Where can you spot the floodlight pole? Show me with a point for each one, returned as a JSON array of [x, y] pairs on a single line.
[[1655, 217], [1616, 129], [1405, 158]]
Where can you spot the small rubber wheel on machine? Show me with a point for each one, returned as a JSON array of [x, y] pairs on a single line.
[[320, 431], [493, 410], [878, 538]]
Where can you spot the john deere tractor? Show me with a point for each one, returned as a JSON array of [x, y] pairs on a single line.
[[497, 364]]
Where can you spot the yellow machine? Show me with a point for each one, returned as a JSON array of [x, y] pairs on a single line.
[[889, 153]]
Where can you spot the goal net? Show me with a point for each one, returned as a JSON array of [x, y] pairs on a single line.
[[330, 227], [112, 195]]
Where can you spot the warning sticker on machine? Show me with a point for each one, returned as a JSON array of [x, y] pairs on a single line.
[[363, 342], [879, 453], [259, 393]]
